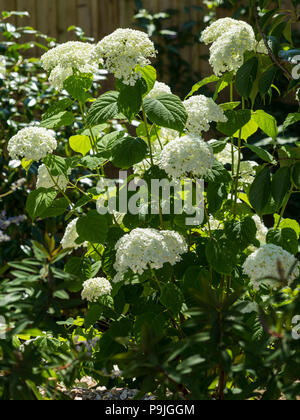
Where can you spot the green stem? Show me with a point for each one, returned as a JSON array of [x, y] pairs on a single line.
[[285, 205], [148, 136]]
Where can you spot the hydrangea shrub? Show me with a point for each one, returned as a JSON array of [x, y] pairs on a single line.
[[191, 310]]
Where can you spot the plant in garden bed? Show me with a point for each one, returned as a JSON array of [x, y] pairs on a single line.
[[187, 311]]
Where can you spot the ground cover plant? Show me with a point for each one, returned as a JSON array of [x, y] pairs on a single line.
[[180, 277]]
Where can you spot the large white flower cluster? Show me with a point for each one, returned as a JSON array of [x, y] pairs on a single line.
[[45, 180], [264, 266], [63, 59], [187, 155], [123, 50], [230, 40], [158, 90], [201, 112], [142, 248], [95, 288], [32, 143], [70, 236]]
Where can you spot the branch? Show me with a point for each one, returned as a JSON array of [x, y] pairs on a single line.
[[270, 52]]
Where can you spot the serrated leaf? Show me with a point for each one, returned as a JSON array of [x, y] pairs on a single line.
[[262, 154], [281, 184], [260, 191], [38, 201], [92, 227], [128, 151], [64, 118], [166, 111], [78, 85], [204, 82], [266, 122], [104, 109]]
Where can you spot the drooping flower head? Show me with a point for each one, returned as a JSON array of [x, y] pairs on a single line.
[[70, 236], [32, 143], [123, 50], [187, 155], [144, 248], [46, 181], [93, 289], [201, 112], [230, 40], [62, 60], [264, 266]]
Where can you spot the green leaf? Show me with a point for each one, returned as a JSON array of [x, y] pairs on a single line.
[[104, 109], [93, 162], [236, 120], [266, 122], [128, 151], [57, 208], [149, 74], [246, 76], [267, 80], [166, 111], [204, 82], [80, 144], [221, 254], [242, 231], [290, 120], [26, 164], [38, 201], [296, 174], [130, 100], [262, 154], [64, 118], [56, 165], [57, 108], [287, 223], [172, 298], [260, 191], [78, 85], [93, 315], [286, 238], [248, 130], [92, 228], [281, 184], [218, 174]]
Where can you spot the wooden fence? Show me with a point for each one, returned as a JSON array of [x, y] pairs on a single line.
[[99, 18]]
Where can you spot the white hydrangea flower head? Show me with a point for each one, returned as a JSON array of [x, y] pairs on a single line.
[[123, 50], [225, 156], [201, 112], [45, 180], [262, 230], [187, 155], [70, 236], [262, 266], [62, 60], [221, 26], [227, 53], [93, 289], [230, 40], [32, 143], [167, 134], [158, 90], [142, 248]]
